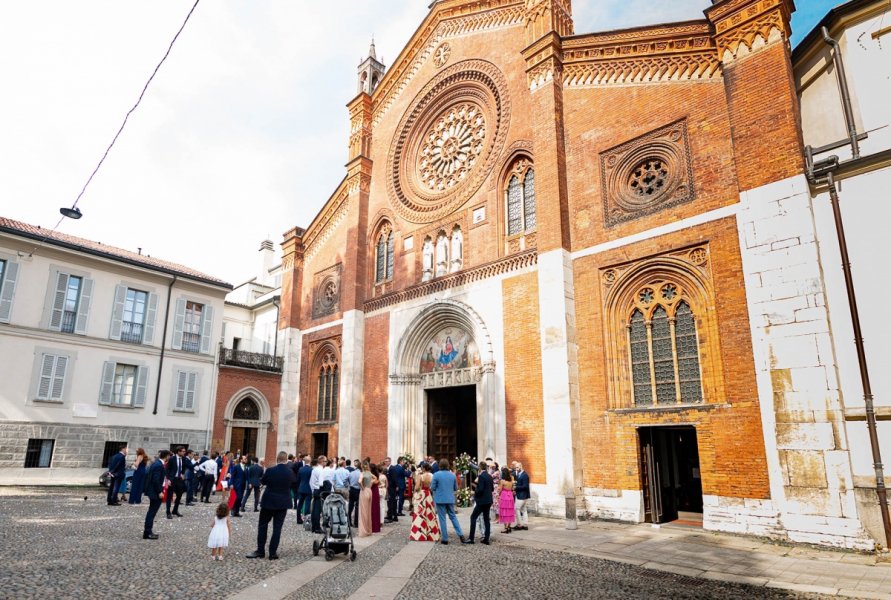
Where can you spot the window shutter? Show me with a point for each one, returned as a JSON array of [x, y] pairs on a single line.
[[107, 387], [151, 311], [141, 380], [181, 382], [206, 328], [179, 321], [191, 390], [7, 290], [83, 307], [59, 378], [117, 313], [55, 321], [46, 376]]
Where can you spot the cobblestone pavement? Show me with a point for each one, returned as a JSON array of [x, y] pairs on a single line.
[[58, 544]]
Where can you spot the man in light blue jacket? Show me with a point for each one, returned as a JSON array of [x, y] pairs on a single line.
[[444, 486]]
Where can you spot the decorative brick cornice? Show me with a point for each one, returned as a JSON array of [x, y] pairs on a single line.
[[678, 52], [743, 26], [498, 267], [326, 221], [360, 126], [446, 19]]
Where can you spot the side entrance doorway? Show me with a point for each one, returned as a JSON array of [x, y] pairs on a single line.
[[669, 472], [319, 444], [451, 422], [244, 440]]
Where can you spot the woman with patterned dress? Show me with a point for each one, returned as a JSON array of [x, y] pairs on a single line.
[[375, 500], [366, 481], [506, 500], [138, 481], [424, 523]]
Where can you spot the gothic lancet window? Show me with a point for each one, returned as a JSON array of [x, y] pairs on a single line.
[[664, 350], [520, 198], [385, 255], [329, 388]]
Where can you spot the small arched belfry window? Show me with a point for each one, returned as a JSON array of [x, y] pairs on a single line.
[[663, 347], [519, 197], [386, 244], [329, 387]]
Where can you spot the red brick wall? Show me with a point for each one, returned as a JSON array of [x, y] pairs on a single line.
[[231, 381], [375, 402], [523, 397], [307, 412], [731, 447]]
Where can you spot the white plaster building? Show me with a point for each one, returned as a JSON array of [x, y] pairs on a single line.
[[862, 29], [98, 346]]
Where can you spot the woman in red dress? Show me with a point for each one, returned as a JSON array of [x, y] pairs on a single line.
[[375, 500], [425, 523]]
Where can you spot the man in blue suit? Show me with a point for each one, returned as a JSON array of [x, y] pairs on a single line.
[[304, 490], [176, 473], [444, 486], [117, 468], [238, 481], [522, 489], [154, 486], [394, 474], [400, 485], [274, 505], [254, 473], [483, 502]]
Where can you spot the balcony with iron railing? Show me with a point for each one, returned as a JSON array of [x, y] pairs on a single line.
[[69, 319], [251, 360], [131, 332], [191, 342]]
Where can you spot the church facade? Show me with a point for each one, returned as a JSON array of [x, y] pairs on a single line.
[[591, 253]]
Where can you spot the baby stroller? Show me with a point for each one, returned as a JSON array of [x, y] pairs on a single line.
[[338, 535]]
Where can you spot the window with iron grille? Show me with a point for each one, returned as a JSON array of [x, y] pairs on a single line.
[[111, 448], [133, 322], [329, 384], [192, 327], [664, 351], [39, 454]]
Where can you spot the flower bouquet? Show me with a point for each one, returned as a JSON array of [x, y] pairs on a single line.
[[464, 497]]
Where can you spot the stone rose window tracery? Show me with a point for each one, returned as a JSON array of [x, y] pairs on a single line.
[[452, 147]]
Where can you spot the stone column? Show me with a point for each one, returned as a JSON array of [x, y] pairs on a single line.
[[487, 405], [349, 439]]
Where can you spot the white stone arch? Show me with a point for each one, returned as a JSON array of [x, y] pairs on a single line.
[[408, 407], [263, 424]]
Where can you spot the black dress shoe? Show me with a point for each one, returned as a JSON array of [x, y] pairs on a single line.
[[389, 520], [299, 521], [318, 531], [486, 542], [236, 515], [256, 554], [149, 536], [114, 503], [464, 540], [273, 557], [471, 542], [400, 514], [169, 516], [190, 504], [444, 543]]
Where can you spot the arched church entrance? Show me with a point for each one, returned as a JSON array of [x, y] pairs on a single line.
[[247, 419], [443, 393]]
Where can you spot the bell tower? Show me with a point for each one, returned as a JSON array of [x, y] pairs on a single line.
[[371, 71]]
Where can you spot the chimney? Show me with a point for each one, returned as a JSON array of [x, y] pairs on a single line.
[[267, 261]]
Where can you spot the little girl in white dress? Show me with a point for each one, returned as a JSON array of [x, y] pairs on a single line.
[[219, 535]]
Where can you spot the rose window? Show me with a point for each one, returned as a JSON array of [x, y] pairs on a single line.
[[452, 147], [649, 177]]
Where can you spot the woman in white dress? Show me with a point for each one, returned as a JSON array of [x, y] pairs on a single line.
[[218, 540]]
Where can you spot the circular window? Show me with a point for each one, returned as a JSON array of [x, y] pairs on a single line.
[[649, 177], [448, 141]]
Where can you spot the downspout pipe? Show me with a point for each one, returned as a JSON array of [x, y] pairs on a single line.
[[163, 344], [278, 307], [845, 93], [881, 491]]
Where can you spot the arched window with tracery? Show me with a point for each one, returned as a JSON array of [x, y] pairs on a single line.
[[385, 255], [519, 197], [329, 387], [663, 347], [246, 410]]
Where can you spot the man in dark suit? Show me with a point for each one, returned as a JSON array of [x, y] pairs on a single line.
[[238, 482], [190, 478], [400, 486], [275, 504], [522, 489], [154, 486], [304, 491], [483, 502], [176, 473], [394, 473], [254, 473], [117, 468]]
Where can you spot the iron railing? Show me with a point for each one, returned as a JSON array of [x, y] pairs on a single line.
[[69, 318], [191, 342], [251, 360], [131, 332]]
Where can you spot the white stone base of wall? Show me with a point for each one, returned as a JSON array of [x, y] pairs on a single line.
[[51, 476]]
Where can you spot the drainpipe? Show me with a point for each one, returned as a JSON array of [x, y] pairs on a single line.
[[163, 344], [845, 94], [277, 302], [881, 492]]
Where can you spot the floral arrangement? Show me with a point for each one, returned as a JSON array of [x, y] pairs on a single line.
[[464, 463], [409, 458], [464, 497]]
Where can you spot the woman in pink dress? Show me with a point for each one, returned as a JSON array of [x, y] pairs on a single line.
[[375, 500], [506, 500], [366, 481]]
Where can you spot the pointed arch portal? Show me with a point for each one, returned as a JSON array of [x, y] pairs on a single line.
[[443, 389]]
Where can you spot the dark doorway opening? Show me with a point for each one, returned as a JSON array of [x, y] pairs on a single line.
[[669, 472], [451, 422], [244, 440], [319, 444]]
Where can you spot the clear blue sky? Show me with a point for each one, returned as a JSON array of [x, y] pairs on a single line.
[[807, 14]]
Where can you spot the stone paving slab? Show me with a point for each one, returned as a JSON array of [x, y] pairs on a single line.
[[394, 575]]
